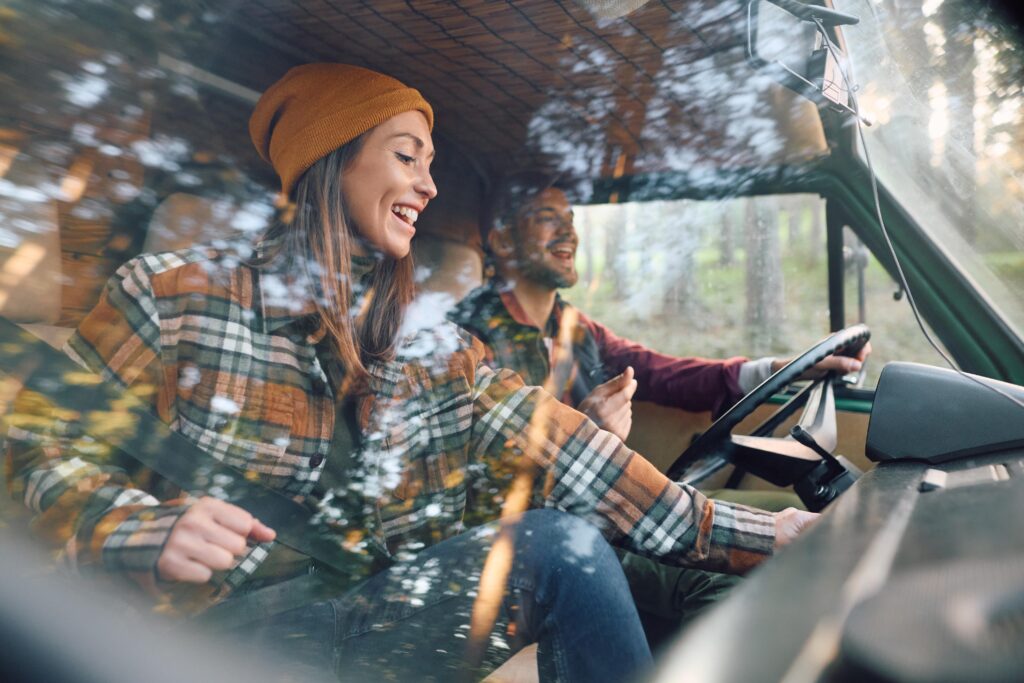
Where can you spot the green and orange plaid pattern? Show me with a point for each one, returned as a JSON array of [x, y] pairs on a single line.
[[224, 354]]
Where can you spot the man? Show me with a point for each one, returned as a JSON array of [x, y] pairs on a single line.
[[528, 328]]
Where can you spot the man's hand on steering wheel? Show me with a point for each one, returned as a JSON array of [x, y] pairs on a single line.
[[790, 523], [717, 440], [837, 363]]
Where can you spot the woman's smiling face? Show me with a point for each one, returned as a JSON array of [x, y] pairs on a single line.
[[388, 184]]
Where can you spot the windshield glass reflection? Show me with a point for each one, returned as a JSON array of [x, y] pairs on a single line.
[[937, 80], [138, 221]]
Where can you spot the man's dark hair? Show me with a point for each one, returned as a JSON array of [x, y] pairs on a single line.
[[512, 192]]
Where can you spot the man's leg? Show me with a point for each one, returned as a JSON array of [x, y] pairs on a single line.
[[670, 597], [675, 593], [772, 501], [564, 589]]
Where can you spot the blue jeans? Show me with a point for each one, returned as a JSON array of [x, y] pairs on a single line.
[[564, 590]]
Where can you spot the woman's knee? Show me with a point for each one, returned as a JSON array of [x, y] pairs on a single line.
[[563, 542], [569, 586]]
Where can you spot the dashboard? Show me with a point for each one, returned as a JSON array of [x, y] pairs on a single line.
[[914, 574]]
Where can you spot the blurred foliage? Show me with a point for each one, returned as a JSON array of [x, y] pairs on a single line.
[[715, 320]]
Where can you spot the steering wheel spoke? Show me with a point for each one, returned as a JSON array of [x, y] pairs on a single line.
[[782, 461], [819, 416]]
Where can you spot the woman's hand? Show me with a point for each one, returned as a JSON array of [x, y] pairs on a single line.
[[210, 536], [790, 523]]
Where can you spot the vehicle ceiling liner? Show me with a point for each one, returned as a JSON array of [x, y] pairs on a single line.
[[536, 83]]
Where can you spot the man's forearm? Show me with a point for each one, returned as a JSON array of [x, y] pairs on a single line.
[[694, 384]]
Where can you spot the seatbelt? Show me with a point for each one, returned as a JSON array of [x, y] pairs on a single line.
[[152, 443]]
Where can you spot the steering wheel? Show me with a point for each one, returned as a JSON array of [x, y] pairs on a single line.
[[718, 439]]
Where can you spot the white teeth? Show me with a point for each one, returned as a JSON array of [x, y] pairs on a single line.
[[410, 213]]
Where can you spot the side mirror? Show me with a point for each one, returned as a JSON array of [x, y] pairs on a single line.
[[791, 42]]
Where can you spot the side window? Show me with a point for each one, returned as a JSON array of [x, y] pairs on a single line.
[[743, 276], [113, 147], [875, 298]]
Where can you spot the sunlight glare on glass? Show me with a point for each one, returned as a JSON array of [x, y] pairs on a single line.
[[18, 266], [72, 187], [938, 122], [86, 91], [7, 155], [930, 7], [935, 37], [874, 105]]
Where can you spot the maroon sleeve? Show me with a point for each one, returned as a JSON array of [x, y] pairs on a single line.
[[693, 384]]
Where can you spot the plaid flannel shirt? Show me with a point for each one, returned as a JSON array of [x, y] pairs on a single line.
[[221, 351]]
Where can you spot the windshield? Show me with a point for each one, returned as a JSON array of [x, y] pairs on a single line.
[[936, 80], [131, 199], [256, 402]]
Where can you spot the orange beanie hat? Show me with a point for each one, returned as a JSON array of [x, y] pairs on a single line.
[[316, 108]]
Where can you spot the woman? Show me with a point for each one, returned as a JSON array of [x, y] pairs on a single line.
[[296, 368]]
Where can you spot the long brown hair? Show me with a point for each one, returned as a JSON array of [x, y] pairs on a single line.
[[319, 238]]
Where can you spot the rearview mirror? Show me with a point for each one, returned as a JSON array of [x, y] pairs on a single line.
[[800, 46]]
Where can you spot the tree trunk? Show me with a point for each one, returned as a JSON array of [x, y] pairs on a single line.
[[958, 63], [615, 237], [727, 235], [791, 206], [682, 293], [764, 280], [814, 209], [586, 232], [909, 21]]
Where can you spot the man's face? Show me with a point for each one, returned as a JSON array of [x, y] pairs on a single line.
[[546, 241]]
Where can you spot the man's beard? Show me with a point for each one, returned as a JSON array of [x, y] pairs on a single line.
[[545, 275]]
